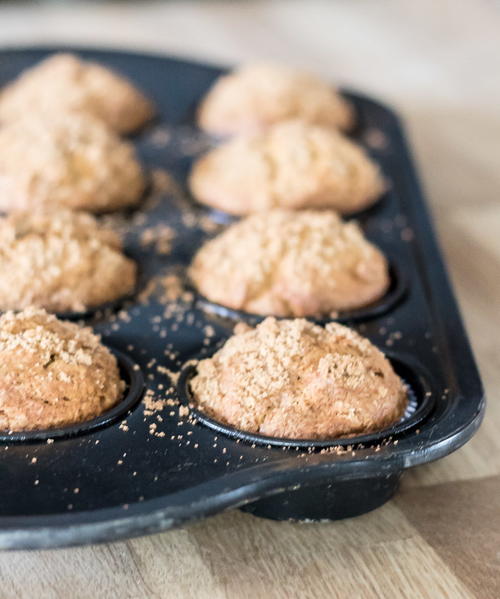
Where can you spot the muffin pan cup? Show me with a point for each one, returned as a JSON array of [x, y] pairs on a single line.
[[154, 467]]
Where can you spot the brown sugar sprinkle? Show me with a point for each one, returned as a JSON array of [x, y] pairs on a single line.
[[147, 291], [174, 376], [209, 330], [151, 403], [208, 225], [160, 136], [169, 289], [189, 220], [171, 286], [161, 236], [163, 182]]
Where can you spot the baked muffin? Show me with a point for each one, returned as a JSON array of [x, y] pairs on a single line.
[[291, 165], [297, 380], [71, 160], [52, 373], [62, 261], [63, 83], [287, 263], [258, 95]]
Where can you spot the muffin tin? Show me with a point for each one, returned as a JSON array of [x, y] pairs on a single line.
[[154, 467], [420, 404]]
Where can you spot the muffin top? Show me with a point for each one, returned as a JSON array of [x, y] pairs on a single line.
[[52, 373], [287, 263], [64, 83], [258, 95], [70, 160], [297, 380], [291, 165], [61, 261]]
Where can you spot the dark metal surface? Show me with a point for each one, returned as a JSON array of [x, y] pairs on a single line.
[[117, 482]]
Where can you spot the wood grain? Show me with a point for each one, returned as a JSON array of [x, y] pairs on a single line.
[[438, 64]]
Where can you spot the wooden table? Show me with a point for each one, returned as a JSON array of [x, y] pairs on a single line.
[[438, 63]]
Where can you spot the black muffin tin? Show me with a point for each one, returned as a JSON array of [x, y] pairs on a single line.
[[150, 471]]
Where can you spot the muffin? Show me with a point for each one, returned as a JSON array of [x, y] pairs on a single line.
[[287, 263], [63, 83], [62, 261], [72, 161], [291, 165], [259, 95], [297, 380], [52, 373]]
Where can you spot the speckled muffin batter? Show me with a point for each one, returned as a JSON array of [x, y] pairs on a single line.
[[64, 83], [72, 161], [287, 263], [62, 261], [291, 165], [258, 95], [294, 379], [52, 373]]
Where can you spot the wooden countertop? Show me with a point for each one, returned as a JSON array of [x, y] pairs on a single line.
[[438, 63]]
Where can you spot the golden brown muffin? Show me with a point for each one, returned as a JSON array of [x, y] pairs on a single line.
[[297, 380], [262, 94], [62, 261], [63, 83], [72, 161], [287, 263], [292, 165], [52, 373]]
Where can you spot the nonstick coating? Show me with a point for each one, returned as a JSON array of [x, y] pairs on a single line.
[[158, 470]]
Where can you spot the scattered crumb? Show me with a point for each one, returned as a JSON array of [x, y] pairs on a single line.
[[161, 236]]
